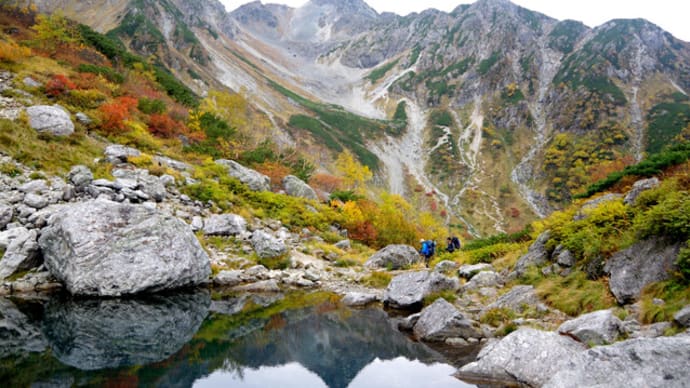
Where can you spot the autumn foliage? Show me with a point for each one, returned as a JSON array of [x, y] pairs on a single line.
[[114, 114], [12, 52], [164, 126], [59, 85]]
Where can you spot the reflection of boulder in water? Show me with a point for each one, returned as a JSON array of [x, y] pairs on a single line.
[[18, 335], [333, 345], [93, 334]]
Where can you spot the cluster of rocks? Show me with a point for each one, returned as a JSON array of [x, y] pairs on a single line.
[[127, 235], [538, 358]]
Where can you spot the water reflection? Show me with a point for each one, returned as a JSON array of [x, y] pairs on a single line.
[[186, 339], [93, 334], [399, 372]]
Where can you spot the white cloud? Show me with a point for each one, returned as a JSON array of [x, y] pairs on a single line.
[[670, 15]]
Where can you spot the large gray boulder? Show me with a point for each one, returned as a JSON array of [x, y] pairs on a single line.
[[639, 187], [298, 188], [596, 328], [51, 119], [106, 248], [21, 251], [526, 356], [267, 246], [407, 291], [254, 179], [396, 256], [517, 299], [441, 320], [636, 363], [225, 225], [632, 269], [92, 334], [536, 254]]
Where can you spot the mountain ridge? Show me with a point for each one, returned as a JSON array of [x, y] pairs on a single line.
[[517, 91]]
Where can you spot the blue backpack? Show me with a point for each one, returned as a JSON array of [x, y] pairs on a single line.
[[426, 248]]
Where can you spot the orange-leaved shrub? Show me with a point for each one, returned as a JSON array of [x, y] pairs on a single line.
[[114, 114]]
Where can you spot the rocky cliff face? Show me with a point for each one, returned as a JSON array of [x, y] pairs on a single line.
[[508, 112]]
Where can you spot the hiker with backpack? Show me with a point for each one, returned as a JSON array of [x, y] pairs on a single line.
[[427, 250], [452, 244]]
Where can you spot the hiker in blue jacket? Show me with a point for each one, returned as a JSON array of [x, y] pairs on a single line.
[[427, 250]]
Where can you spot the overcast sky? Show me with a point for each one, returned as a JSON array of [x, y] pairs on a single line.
[[671, 15]]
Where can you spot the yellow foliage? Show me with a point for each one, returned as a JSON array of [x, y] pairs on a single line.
[[352, 213], [142, 161], [54, 28], [10, 51], [139, 137], [230, 107], [355, 175]]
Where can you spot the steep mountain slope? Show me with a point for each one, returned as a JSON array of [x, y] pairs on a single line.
[[508, 112]]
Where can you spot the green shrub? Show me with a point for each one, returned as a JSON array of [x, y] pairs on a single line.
[[151, 106], [345, 196], [669, 218], [497, 316], [175, 89], [279, 262]]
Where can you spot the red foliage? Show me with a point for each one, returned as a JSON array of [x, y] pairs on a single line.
[[326, 182], [443, 213], [114, 114], [59, 85], [364, 232], [164, 126], [433, 205], [514, 212]]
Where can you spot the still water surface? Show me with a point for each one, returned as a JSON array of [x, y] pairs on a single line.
[[191, 339]]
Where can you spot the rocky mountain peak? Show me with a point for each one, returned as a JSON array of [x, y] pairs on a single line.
[[347, 7]]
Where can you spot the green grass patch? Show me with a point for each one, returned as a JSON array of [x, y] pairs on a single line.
[[381, 71], [675, 296], [52, 154], [574, 294], [497, 316], [448, 295], [377, 279], [486, 64]]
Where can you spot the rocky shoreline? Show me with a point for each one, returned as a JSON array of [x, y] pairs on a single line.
[[55, 234]]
